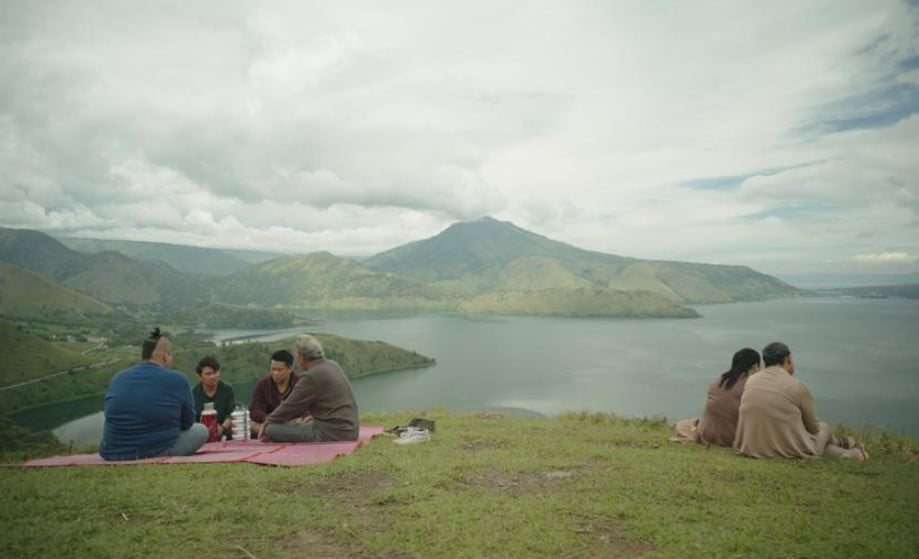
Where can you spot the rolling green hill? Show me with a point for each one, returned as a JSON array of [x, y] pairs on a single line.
[[490, 255], [360, 358], [700, 283], [117, 279], [488, 266], [26, 356], [40, 253], [481, 266], [536, 272], [248, 361], [26, 295], [533, 285], [319, 280], [187, 259], [476, 247], [108, 276]]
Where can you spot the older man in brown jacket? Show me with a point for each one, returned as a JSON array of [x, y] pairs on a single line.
[[777, 416]]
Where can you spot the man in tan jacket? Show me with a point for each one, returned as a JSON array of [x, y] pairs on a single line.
[[777, 416]]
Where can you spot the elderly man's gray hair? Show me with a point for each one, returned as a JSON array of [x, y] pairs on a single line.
[[309, 347], [775, 354]]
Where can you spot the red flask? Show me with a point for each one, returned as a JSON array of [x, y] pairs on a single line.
[[209, 419]]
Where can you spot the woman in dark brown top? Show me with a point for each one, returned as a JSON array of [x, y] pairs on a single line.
[[719, 419]]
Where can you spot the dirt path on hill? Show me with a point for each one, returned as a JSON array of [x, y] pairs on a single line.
[[59, 373]]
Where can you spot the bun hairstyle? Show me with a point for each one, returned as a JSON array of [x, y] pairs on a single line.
[[146, 351]]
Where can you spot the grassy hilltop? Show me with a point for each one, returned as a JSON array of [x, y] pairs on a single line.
[[578, 485]]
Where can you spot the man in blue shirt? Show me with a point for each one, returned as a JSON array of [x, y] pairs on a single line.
[[149, 410]]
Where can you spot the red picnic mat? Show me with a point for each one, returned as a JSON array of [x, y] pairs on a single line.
[[255, 452]]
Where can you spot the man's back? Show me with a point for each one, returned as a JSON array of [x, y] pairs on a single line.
[[146, 407], [325, 393], [773, 411]]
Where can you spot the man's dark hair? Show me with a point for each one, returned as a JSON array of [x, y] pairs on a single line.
[[775, 354], [283, 355], [146, 352], [207, 362]]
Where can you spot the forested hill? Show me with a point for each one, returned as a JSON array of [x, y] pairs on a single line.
[[469, 248], [25, 356], [491, 255], [186, 259], [320, 280], [484, 266], [110, 277], [26, 295], [358, 358]]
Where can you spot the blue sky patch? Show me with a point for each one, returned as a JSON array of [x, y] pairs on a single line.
[[730, 182], [911, 63], [793, 211], [716, 183], [881, 107]]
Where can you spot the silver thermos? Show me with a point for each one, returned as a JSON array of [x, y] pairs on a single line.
[[240, 420]]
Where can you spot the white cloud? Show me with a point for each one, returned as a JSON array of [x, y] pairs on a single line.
[[357, 127], [887, 258]]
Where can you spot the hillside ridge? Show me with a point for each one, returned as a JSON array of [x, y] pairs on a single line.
[[466, 266]]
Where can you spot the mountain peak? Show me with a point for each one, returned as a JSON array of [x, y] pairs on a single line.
[[470, 247], [500, 255], [483, 225]]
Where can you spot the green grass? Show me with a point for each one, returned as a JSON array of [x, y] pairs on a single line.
[[578, 485]]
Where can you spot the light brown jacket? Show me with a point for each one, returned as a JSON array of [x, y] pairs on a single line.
[[777, 416]]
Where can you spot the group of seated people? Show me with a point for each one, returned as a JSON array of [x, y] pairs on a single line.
[[267, 395], [766, 413], [150, 410]]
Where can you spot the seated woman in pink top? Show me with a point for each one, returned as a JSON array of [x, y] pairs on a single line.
[[719, 419]]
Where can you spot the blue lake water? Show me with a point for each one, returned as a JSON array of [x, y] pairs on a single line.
[[858, 356]]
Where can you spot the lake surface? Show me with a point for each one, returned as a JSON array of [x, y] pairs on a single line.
[[858, 356]]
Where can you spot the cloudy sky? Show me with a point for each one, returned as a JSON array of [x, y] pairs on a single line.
[[779, 135]]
